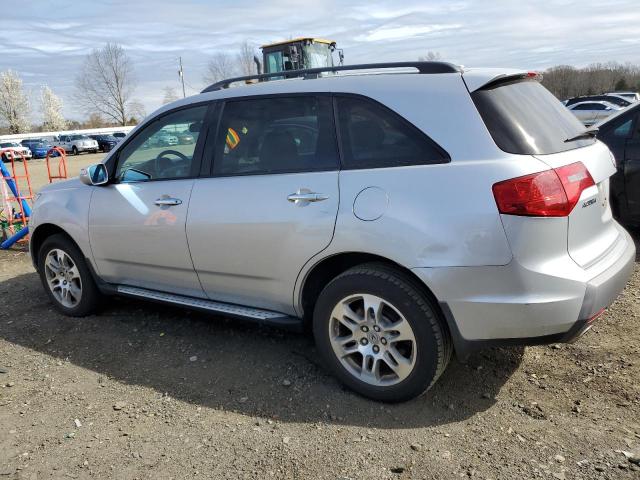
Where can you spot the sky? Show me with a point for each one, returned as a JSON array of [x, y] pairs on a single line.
[[47, 41]]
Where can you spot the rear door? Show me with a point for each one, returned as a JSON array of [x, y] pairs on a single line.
[[271, 201], [137, 221]]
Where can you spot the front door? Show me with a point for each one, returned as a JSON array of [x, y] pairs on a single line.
[[137, 221], [272, 200]]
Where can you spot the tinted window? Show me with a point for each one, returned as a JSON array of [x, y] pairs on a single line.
[[275, 135], [374, 137], [154, 153], [524, 118], [623, 130], [599, 106], [584, 106]]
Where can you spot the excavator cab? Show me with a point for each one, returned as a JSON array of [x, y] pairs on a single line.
[[299, 54]]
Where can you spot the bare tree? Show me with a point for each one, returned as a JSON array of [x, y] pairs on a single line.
[[137, 112], [431, 56], [170, 95], [14, 104], [221, 66], [51, 107], [106, 83], [565, 81], [94, 121], [245, 58]]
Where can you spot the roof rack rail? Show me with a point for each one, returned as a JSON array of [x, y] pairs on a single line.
[[422, 67]]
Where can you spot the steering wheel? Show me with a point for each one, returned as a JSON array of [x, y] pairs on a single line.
[[164, 166]]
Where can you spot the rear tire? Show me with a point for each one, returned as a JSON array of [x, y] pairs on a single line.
[[380, 334], [74, 150], [66, 277]]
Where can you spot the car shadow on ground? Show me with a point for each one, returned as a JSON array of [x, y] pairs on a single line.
[[225, 364]]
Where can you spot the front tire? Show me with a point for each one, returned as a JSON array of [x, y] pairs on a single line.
[[74, 150], [380, 334], [66, 277]]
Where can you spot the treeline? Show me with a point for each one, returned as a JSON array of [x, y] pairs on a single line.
[[565, 81]]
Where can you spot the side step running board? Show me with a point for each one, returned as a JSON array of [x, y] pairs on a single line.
[[249, 313]]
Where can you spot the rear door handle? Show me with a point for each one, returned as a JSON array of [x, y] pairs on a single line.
[[167, 201], [307, 197]]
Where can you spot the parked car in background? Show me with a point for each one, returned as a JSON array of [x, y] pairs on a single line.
[[40, 148], [633, 96], [119, 135], [185, 138], [77, 144], [621, 133], [615, 99], [25, 151], [164, 139], [105, 142], [591, 112]]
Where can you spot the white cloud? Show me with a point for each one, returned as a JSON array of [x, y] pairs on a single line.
[[403, 32], [534, 34]]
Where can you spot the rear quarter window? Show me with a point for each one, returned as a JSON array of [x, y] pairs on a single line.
[[524, 118], [372, 136]]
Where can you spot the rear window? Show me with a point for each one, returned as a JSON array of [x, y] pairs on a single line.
[[524, 118]]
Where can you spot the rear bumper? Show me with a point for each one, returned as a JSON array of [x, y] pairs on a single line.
[[514, 305]]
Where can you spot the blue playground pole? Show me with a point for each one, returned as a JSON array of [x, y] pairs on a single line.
[[25, 206]]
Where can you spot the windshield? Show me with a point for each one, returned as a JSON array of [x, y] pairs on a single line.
[[318, 55], [524, 118], [9, 145]]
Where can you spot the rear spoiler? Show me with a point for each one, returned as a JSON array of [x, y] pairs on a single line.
[[487, 77]]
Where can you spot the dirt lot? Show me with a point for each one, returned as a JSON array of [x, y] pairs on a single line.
[[148, 391]]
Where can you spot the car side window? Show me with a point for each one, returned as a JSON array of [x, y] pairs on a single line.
[[373, 136], [261, 136], [624, 129], [164, 149]]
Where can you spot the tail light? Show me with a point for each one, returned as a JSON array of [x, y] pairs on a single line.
[[551, 193]]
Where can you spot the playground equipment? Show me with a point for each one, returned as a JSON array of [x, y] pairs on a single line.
[[62, 164], [15, 205]]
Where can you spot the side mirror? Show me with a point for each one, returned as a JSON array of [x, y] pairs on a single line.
[[94, 174]]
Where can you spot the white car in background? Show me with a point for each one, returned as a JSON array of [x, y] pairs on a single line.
[[77, 144], [18, 148], [594, 111], [631, 96]]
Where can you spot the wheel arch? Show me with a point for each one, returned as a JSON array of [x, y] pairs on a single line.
[[327, 268], [40, 234]]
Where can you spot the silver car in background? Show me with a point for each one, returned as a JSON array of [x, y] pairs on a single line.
[[401, 217], [632, 96], [593, 111]]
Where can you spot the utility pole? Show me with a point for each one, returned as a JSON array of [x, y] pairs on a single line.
[[181, 74]]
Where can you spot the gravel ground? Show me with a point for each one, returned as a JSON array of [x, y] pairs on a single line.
[[153, 392]]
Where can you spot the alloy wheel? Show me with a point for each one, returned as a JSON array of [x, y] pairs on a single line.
[[373, 341], [63, 278]]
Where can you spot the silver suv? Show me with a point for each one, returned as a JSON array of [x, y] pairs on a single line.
[[402, 216]]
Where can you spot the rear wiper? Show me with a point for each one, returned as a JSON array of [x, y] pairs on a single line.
[[589, 132]]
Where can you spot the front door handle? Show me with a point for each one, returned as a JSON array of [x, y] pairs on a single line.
[[167, 201], [302, 196]]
